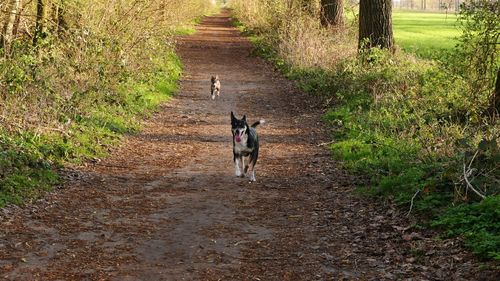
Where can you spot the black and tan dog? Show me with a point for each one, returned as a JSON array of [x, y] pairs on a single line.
[[245, 145]]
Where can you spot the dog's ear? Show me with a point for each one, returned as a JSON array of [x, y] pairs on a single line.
[[244, 119], [232, 116], [216, 77]]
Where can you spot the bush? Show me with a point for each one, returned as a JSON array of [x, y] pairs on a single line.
[[409, 125], [477, 57], [479, 222], [27, 158], [87, 78]]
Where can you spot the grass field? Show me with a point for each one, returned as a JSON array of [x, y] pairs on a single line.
[[425, 34]]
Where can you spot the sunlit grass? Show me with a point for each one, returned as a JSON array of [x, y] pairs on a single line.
[[425, 34]]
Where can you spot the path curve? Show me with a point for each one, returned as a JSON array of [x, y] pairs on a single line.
[[167, 206]]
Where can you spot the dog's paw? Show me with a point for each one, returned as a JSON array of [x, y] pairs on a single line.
[[238, 173], [213, 97], [252, 179]]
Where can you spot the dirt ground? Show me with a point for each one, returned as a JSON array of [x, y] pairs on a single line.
[[166, 204]]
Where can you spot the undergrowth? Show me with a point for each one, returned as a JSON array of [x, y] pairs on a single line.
[[418, 130], [401, 125], [28, 159], [75, 76]]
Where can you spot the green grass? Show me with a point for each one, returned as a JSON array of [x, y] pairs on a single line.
[[387, 113], [407, 125], [185, 30], [190, 28], [425, 34], [479, 223], [27, 160]]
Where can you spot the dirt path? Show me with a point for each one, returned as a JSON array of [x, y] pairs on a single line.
[[167, 206]]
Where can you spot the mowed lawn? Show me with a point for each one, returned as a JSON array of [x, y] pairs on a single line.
[[425, 34]]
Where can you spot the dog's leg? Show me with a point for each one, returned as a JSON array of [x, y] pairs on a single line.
[[252, 161], [252, 174], [242, 161], [245, 165], [237, 160]]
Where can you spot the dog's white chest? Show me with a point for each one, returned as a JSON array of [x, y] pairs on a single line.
[[241, 147]]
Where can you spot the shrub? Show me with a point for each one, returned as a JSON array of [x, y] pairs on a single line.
[[93, 70], [479, 222], [416, 129]]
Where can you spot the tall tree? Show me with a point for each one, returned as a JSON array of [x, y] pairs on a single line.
[[495, 100], [375, 24], [58, 16], [9, 24], [424, 5], [332, 12], [17, 21], [40, 18]]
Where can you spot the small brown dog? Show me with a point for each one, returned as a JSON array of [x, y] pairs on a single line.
[[215, 88]]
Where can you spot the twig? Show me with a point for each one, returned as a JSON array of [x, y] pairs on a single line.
[[411, 205], [253, 259], [325, 143], [470, 186], [472, 160], [468, 171]]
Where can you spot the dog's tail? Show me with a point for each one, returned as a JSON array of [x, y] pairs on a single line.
[[262, 121]]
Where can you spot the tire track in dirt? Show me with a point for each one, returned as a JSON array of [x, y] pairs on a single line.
[[167, 206]]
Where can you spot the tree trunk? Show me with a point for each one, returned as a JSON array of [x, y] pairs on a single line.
[[18, 19], [495, 101], [40, 18], [162, 8], [62, 25], [9, 25], [375, 24], [332, 12], [307, 6], [59, 19]]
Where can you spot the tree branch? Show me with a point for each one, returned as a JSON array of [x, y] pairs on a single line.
[[467, 171]]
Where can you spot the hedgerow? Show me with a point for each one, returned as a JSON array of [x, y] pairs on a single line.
[[78, 76], [422, 132]]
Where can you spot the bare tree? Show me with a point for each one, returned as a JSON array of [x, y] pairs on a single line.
[[307, 6], [58, 16], [40, 18], [18, 17], [495, 99], [332, 12], [424, 5], [375, 24], [8, 28]]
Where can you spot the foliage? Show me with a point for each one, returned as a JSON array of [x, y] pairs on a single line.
[[479, 222], [89, 79], [23, 174], [27, 158], [477, 58], [296, 33], [409, 125]]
